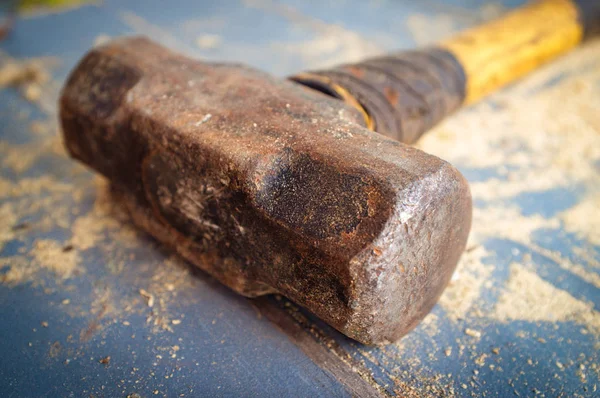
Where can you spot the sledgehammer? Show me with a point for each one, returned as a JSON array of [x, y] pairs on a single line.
[[305, 186]]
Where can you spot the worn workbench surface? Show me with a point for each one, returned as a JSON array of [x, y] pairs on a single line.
[[91, 307]]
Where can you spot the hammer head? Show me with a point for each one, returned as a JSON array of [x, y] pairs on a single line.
[[270, 186]]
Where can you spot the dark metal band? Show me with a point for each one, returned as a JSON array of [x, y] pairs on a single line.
[[403, 94], [589, 17]]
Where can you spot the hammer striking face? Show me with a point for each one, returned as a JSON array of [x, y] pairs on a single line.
[[270, 186]]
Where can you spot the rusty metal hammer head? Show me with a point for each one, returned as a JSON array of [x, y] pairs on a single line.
[[270, 186]]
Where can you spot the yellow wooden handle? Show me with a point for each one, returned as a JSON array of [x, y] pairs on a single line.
[[503, 50]]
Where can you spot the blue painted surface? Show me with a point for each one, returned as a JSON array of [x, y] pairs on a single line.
[[223, 347]]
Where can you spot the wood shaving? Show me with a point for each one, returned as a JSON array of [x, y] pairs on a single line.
[[149, 298], [472, 332]]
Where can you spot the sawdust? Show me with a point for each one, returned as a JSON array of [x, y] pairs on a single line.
[[9, 219], [20, 158], [22, 74], [530, 298], [106, 215], [32, 78], [19, 270], [102, 311], [426, 29], [581, 271], [107, 226], [53, 256], [86, 232], [331, 44], [33, 186], [43, 199], [583, 218], [5, 186], [208, 41], [587, 256], [45, 255], [464, 290], [508, 222], [166, 283]]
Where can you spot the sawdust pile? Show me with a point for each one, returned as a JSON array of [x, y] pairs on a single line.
[[49, 254], [45, 255], [462, 294], [528, 297], [9, 219], [581, 220], [107, 216]]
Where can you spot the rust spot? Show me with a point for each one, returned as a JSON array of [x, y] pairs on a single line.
[[391, 95]]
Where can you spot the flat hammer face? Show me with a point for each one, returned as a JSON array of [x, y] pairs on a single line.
[[269, 186]]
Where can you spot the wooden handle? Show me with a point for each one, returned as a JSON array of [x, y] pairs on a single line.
[[403, 95], [503, 50]]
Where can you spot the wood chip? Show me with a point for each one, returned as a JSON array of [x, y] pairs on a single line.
[[149, 298], [472, 332]]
